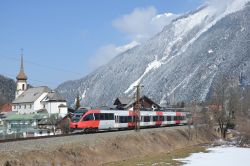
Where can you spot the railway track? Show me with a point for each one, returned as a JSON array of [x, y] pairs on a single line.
[[72, 134], [52, 136], [36, 138]]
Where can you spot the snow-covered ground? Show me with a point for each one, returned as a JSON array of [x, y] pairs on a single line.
[[223, 155]]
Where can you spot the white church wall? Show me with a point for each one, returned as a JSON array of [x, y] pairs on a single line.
[[24, 108], [38, 104], [53, 107]]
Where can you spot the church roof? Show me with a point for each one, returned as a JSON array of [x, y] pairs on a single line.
[[31, 95], [21, 75]]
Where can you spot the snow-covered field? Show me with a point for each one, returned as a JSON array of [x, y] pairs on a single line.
[[223, 155]]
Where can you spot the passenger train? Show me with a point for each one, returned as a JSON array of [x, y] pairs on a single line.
[[95, 120]]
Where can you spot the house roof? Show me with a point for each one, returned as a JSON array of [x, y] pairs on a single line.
[[142, 98], [62, 105], [5, 107], [123, 100], [54, 96], [14, 116], [31, 95]]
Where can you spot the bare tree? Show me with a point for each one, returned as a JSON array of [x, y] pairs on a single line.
[[223, 103]]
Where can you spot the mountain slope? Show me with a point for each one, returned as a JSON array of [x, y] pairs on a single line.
[[7, 89], [180, 62]]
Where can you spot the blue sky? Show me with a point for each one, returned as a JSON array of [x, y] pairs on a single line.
[[63, 39]]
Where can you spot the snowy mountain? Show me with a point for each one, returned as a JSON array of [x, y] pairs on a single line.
[[181, 62]]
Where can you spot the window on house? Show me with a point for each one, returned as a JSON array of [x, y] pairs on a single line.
[[23, 87]]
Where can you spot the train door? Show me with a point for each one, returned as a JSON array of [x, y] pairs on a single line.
[[107, 121]]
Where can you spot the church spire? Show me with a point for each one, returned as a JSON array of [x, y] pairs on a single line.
[[21, 69], [21, 75]]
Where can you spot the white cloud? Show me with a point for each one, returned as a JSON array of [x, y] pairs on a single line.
[[139, 25], [108, 52], [142, 23]]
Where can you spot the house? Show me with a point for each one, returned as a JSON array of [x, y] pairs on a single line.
[[122, 102], [19, 123], [127, 103]]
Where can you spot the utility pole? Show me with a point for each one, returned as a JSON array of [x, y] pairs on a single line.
[[137, 108]]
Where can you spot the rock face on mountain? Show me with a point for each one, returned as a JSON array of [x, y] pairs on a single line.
[[7, 89], [181, 62]]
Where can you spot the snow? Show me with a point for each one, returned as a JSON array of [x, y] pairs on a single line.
[[84, 94], [199, 18], [210, 51], [153, 65], [184, 82], [229, 156], [126, 47]]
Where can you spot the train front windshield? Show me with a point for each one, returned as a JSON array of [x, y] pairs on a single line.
[[78, 114], [76, 117]]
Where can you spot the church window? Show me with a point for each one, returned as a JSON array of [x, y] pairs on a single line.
[[23, 86]]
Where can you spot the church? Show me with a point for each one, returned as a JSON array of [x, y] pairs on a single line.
[[31, 100]]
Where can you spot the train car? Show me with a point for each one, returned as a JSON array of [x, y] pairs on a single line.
[[94, 120]]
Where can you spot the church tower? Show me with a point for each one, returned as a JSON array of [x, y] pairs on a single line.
[[21, 83]]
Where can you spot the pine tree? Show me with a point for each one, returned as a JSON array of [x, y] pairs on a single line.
[[78, 105]]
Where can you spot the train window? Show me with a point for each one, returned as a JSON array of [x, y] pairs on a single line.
[[88, 117], [110, 116], [169, 118], [106, 116], [97, 116], [161, 118], [178, 118], [155, 118], [123, 119], [76, 117], [130, 119], [102, 117], [146, 118]]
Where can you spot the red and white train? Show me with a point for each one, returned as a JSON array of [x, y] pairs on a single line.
[[94, 120]]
